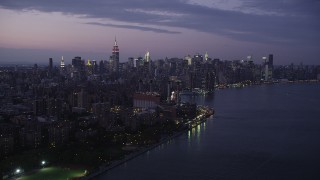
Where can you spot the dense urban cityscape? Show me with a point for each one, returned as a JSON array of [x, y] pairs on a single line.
[[169, 89], [59, 114]]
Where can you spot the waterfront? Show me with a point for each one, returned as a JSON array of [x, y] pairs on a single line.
[[259, 132]]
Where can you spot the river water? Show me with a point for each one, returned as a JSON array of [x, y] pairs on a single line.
[[257, 132]]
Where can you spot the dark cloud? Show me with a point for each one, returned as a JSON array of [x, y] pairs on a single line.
[[288, 22], [287, 7], [142, 28]]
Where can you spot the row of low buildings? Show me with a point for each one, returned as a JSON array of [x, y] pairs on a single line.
[[34, 131]]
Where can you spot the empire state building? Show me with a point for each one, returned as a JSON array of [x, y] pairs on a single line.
[[115, 56]]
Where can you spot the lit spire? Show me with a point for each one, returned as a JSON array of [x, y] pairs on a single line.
[[89, 62], [62, 62], [115, 48], [206, 56]]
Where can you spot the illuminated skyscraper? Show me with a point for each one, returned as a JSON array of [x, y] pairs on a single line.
[[147, 56], [115, 56], [206, 56], [267, 68], [62, 66], [89, 67], [249, 59], [147, 62], [189, 59], [62, 63]]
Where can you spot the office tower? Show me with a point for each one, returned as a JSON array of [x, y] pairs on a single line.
[[140, 61], [89, 67], [249, 59], [147, 56], [115, 56], [50, 64], [267, 68], [101, 67], [62, 63], [271, 61], [131, 62], [189, 59], [95, 66], [147, 62], [206, 56], [270, 65], [77, 63], [198, 57]]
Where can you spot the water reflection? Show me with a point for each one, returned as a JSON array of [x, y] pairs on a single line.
[[199, 99], [199, 130], [196, 133], [191, 136]]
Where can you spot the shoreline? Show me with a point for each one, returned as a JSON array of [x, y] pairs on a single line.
[[209, 112], [106, 168]]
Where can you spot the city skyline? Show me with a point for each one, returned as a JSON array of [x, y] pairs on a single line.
[[34, 31]]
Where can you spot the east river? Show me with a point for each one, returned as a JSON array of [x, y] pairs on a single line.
[[257, 132]]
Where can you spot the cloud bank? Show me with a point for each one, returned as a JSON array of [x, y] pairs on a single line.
[[288, 22]]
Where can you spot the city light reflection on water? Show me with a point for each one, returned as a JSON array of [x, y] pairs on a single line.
[[196, 133]]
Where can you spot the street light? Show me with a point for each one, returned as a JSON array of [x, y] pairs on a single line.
[[18, 171], [43, 163]]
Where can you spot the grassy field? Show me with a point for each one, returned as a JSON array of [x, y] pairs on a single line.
[[54, 173]]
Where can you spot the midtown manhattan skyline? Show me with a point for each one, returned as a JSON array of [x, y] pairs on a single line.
[[32, 31]]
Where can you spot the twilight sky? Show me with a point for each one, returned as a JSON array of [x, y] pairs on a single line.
[[34, 30]]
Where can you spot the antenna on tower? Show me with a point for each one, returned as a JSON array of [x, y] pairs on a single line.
[[115, 40], [62, 62]]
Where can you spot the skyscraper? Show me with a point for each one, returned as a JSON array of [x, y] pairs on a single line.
[[271, 61], [270, 64], [147, 56], [78, 64], [115, 56], [50, 64], [62, 63], [267, 68], [206, 56]]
